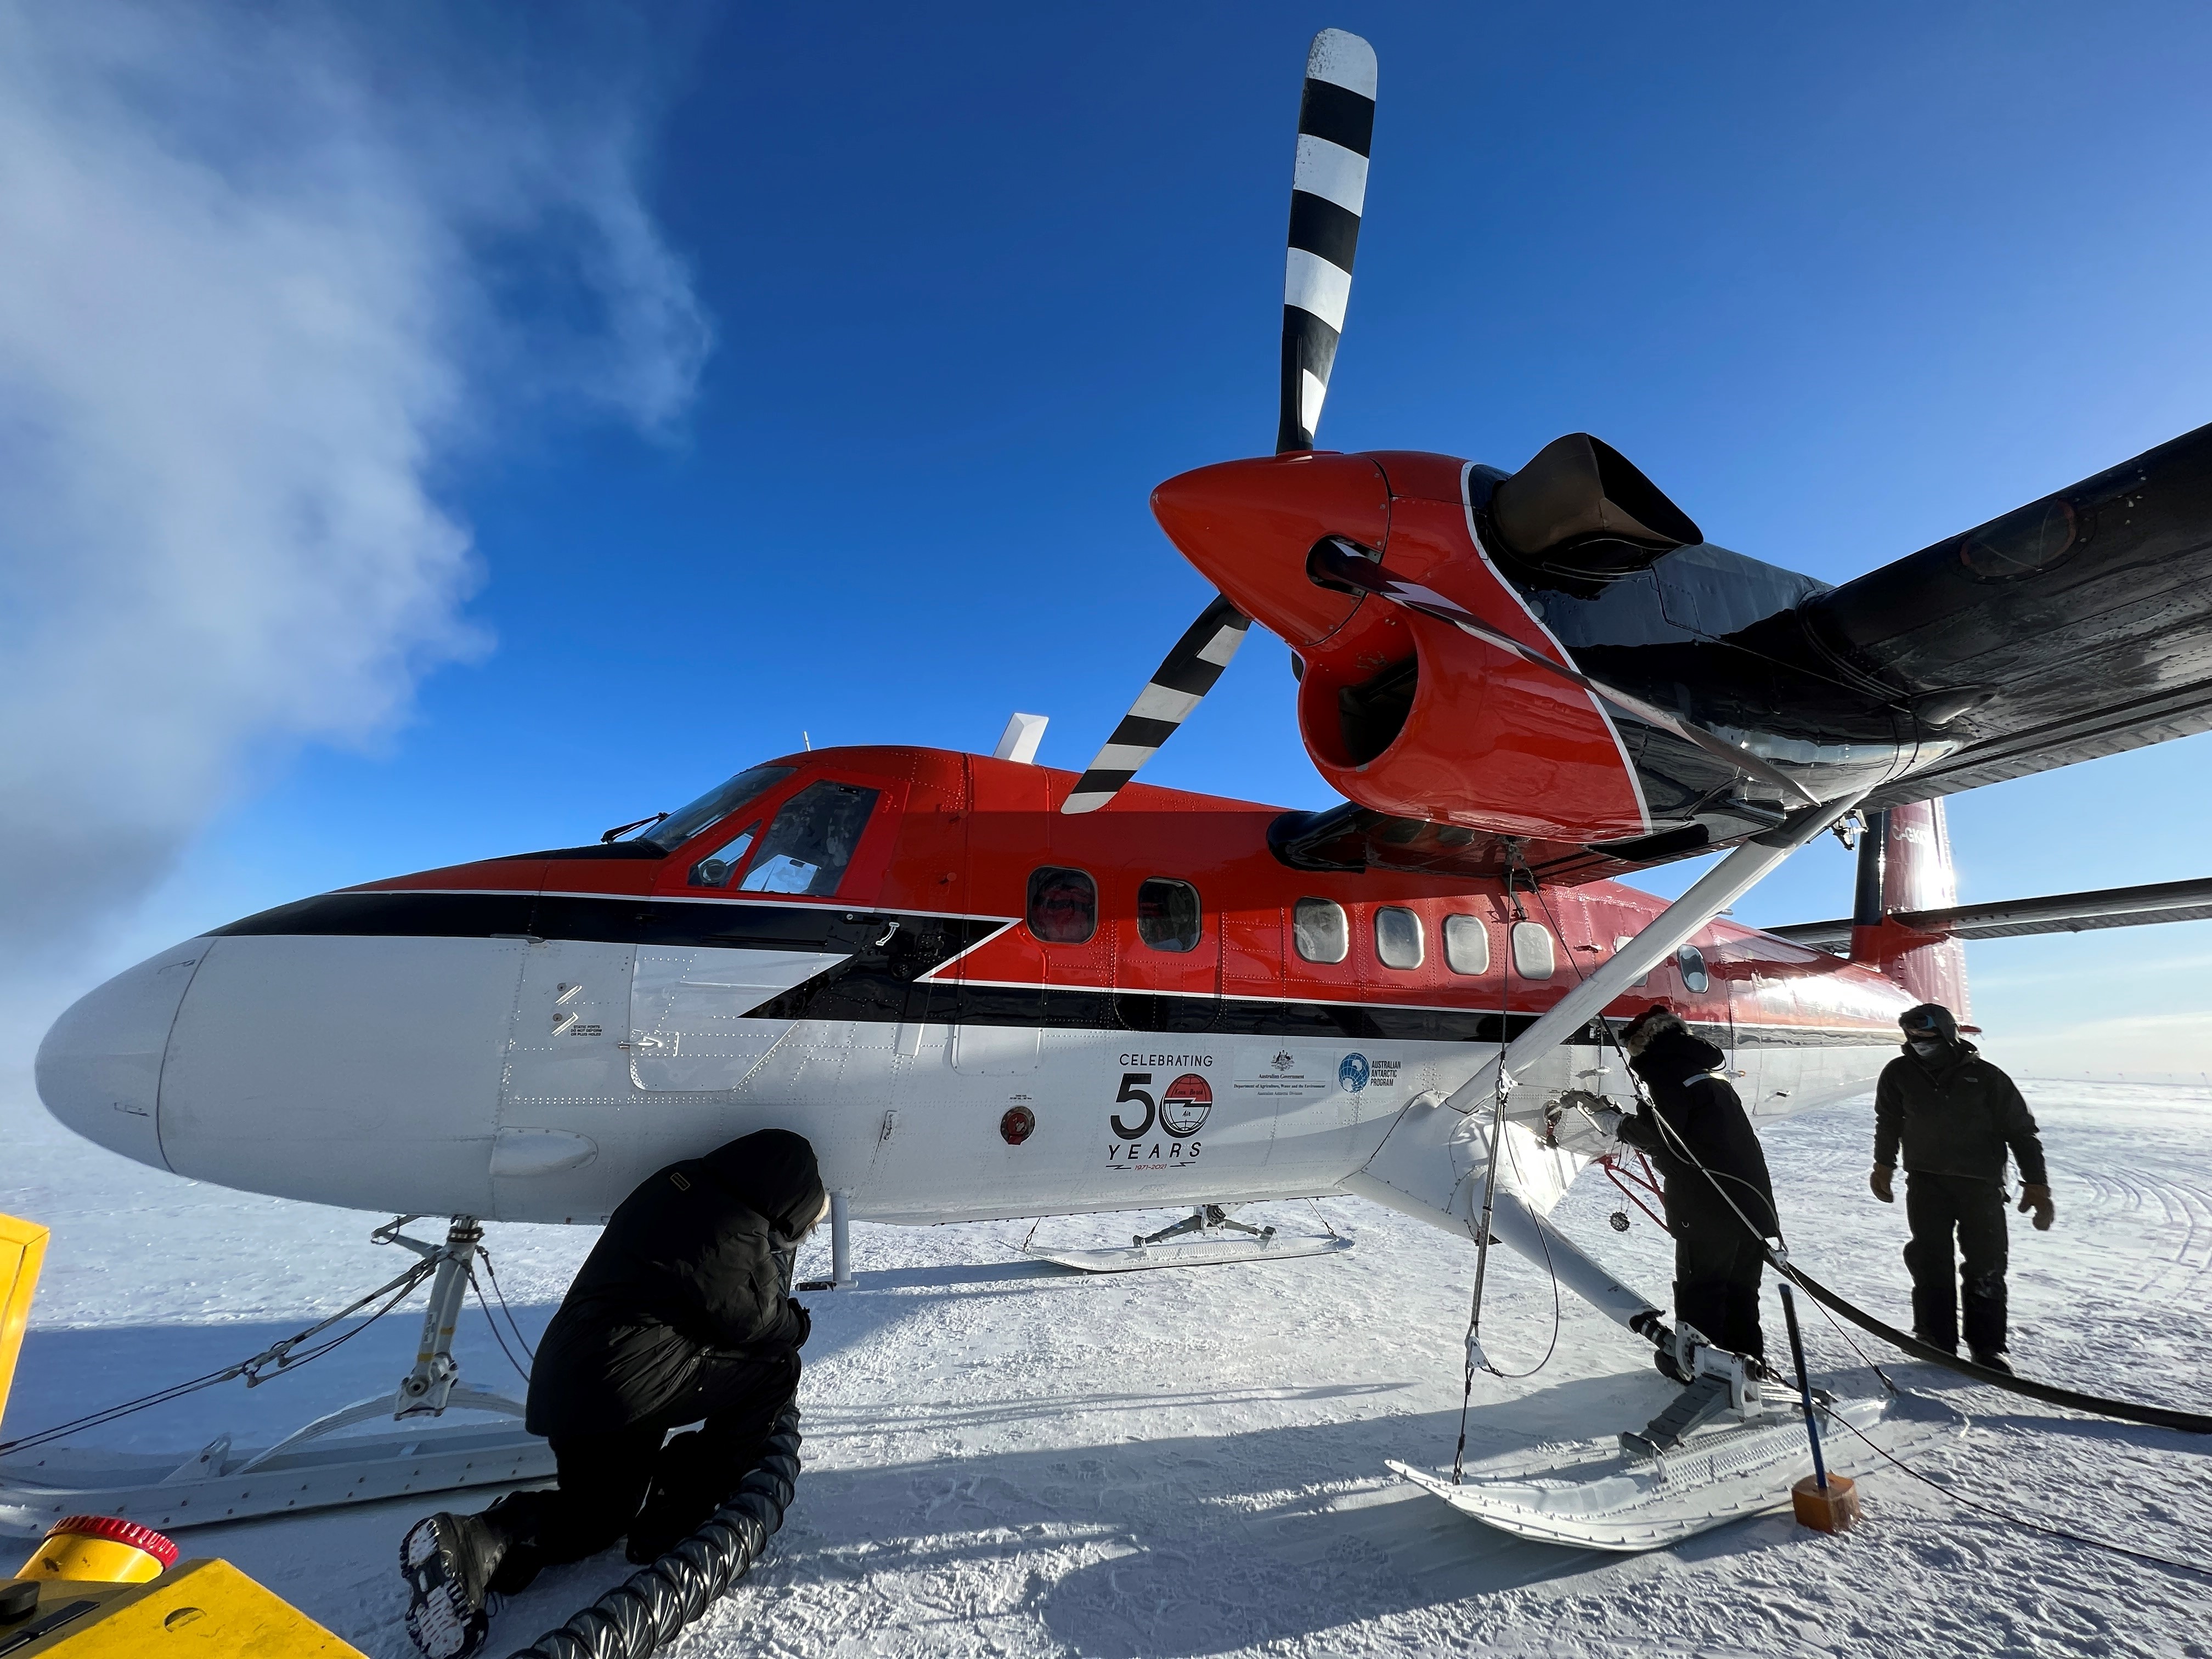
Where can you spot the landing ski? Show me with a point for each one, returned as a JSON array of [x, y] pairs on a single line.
[[1190, 1252], [303, 1472], [1612, 1495]]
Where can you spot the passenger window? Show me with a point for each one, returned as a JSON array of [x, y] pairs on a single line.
[[1692, 961], [1063, 907], [1320, 931], [1168, 915], [716, 868], [1466, 945], [1531, 951], [1622, 943], [811, 841], [1397, 937]]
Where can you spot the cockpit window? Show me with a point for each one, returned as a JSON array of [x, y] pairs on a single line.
[[672, 832], [719, 865], [811, 841]]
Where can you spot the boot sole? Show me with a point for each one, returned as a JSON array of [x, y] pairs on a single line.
[[441, 1621]]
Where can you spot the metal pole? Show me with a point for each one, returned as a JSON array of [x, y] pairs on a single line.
[[841, 1240], [1804, 1385]]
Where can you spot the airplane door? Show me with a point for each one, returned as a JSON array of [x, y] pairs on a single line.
[[1166, 954], [565, 1081], [1001, 987]]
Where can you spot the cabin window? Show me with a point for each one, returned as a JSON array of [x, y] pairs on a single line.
[[703, 813], [1622, 943], [811, 841], [1397, 937], [1466, 945], [1167, 917], [1531, 951], [1063, 907], [1320, 931], [1692, 961], [719, 865]]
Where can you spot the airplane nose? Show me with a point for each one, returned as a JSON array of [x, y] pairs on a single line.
[[100, 1068], [1248, 525]]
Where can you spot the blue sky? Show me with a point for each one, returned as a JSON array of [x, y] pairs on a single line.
[[810, 371]]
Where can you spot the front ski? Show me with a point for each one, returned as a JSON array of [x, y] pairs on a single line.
[[221, 1485], [1615, 1495]]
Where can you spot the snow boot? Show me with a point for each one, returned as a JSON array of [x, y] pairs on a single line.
[[1994, 1362], [448, 1561], [1950, 1347]]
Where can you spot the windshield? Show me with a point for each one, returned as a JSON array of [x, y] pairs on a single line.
[[680, 827]]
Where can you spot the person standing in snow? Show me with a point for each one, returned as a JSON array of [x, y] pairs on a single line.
[[682, 1312], [1954, 1117], [1719, 1201]]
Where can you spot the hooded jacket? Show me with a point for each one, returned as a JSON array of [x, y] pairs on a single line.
[[693, 1265], [1705, 1117], [1955, 1114]]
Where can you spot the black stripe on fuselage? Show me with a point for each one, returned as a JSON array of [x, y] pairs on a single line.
[[881, 980]]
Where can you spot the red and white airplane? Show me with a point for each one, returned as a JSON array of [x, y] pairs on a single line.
[[982, 987]]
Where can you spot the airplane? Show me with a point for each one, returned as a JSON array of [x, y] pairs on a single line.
[[983, 987]]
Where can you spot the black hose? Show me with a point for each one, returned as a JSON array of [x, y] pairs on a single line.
[[2128, 1411], [647, 1610]]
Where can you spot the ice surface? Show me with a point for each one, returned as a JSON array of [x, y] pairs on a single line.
[[1006, 1459]]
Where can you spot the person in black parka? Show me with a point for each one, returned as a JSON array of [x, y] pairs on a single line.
[[1693, 1114], [1954, 1117], [681, 1313]]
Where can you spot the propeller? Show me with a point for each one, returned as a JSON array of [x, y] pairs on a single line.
[[1328, 188]]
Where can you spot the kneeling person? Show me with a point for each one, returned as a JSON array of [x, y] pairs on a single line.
[[1721, 1215], [681, 1313]]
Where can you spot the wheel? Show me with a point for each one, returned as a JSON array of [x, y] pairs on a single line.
[[1618, 1221]]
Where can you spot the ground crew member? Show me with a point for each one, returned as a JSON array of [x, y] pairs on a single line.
[[1955, 1115], [1693, 1114], [682, 1312]]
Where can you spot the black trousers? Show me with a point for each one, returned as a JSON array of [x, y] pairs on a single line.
[[1717, 1268], [1937, 1207], [605, 1478]]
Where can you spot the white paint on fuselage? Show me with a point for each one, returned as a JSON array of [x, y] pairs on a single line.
[[380, 1074]]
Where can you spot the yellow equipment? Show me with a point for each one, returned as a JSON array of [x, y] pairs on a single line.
[[96, 1586]]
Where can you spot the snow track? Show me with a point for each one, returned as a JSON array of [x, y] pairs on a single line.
[[1005, 1459]]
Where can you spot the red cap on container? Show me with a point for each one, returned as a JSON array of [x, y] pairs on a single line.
[[119, 1531]]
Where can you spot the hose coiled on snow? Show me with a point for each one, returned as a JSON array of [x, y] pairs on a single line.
[[634, 1619]]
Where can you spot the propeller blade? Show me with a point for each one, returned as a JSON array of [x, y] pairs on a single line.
[[1343, 561], [1187, 675], [1329, 190]]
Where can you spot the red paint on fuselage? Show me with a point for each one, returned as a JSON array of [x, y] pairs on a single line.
[[962, 834]]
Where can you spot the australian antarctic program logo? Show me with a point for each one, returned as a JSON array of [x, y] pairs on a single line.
[[1352, 1076], [1167, 1119]]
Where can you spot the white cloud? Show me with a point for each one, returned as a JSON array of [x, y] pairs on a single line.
[[260, 274]]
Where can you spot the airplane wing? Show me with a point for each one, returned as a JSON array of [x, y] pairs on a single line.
[[2074, 627], [2059, 913]]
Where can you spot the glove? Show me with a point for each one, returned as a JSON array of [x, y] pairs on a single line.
[[801, 1318], [2038, 1199], [1878, 1182]]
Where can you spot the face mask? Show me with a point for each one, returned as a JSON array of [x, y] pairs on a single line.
[[1925, 1047]]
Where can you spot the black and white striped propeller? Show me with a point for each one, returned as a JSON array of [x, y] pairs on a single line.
[[1328, 188]]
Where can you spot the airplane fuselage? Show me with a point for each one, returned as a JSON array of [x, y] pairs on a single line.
[[973, 1005]]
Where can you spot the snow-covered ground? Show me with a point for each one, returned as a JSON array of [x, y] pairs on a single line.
[[1007, 1459]]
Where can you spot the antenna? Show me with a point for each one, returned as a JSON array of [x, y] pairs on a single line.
[[1018, 742], [808, 739]]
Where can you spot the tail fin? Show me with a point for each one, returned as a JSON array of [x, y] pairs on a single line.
[[1904, 864]]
